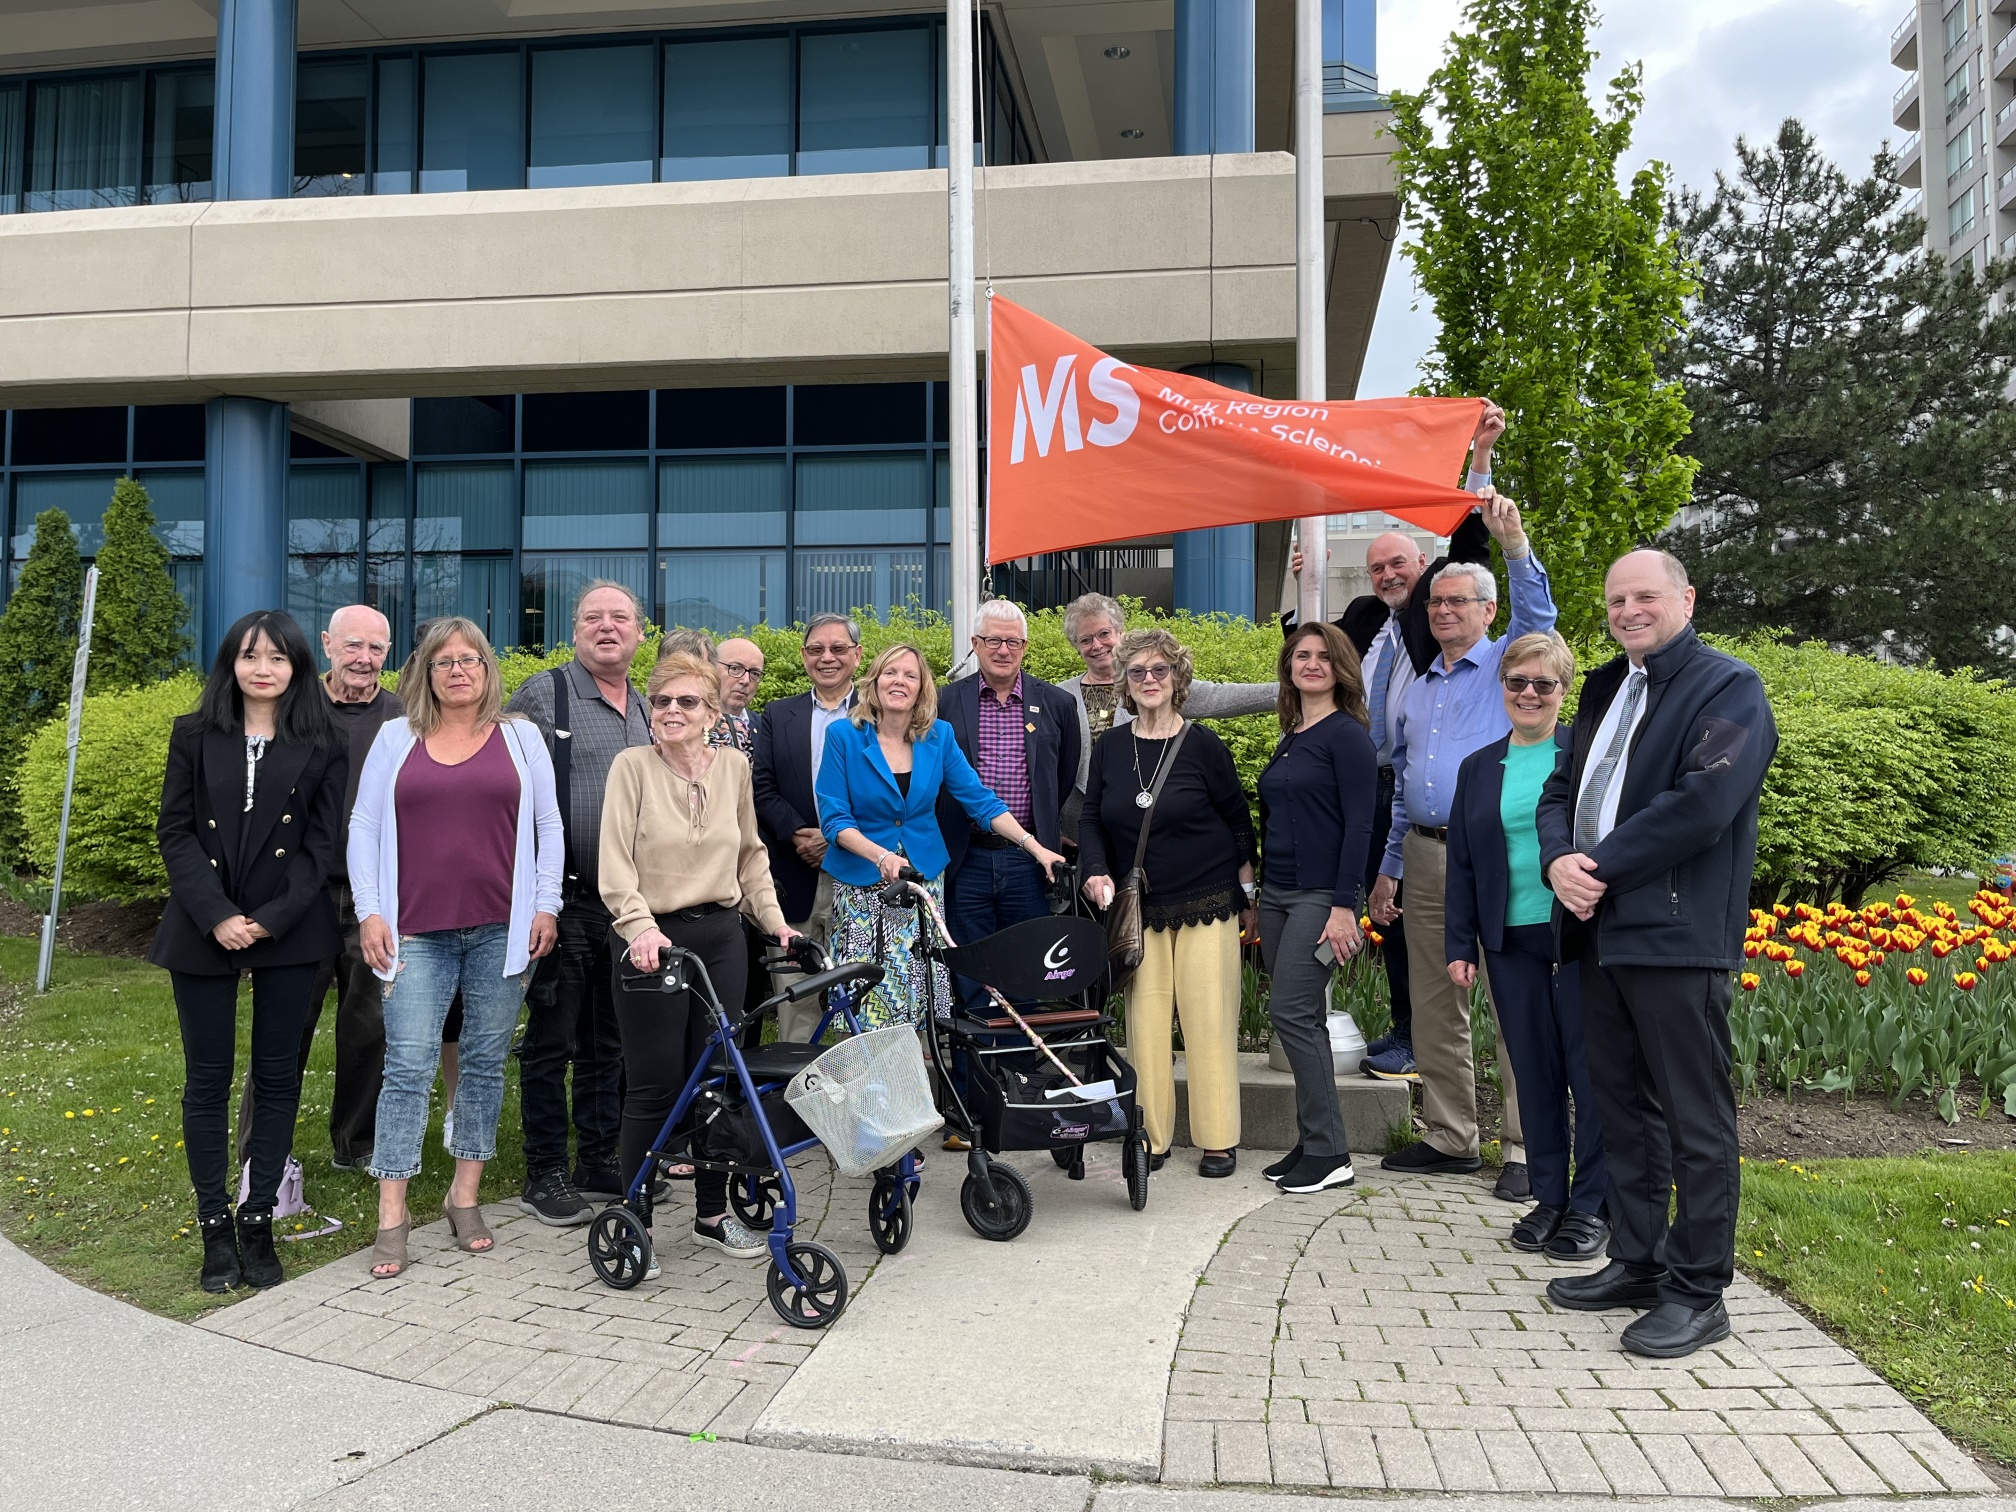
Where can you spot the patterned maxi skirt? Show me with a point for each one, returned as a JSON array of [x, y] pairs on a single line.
[[864, 930]]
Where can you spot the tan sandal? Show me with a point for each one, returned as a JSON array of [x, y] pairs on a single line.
[[467, 1226], [390, 1249]]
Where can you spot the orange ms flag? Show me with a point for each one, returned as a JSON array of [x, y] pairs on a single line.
[[1084, 448]]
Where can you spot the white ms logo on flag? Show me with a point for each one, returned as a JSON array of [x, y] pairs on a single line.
[[1041, 413], [1057, 959]]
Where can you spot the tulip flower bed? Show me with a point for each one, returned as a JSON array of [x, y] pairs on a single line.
[[1889, 998]]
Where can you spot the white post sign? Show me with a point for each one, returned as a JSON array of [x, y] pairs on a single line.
[[83, 663]]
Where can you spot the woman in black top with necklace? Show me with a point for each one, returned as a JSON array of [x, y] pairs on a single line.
[[250, 808], [1196, 897]]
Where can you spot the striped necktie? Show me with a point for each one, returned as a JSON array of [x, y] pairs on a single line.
[[1385, 649], [1589, 808]]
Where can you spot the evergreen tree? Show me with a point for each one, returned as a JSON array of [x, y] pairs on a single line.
[[1556, 290], [38, 653], [138, 637], [1857, 447]]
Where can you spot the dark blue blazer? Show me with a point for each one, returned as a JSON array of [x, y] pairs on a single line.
[[781, 777], [1480, 879], [1050, 740], [858, 791]]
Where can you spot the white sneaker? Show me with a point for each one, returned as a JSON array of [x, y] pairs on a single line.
[[448, 1132], [732, 1238]]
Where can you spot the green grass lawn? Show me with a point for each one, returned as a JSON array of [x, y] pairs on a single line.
[[1909, 1262], [92, 1175]]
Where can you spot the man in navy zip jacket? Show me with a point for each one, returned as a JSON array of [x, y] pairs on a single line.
[[1648, 836]]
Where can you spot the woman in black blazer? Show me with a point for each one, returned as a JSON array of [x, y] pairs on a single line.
[[250, 810], [1497, 900]]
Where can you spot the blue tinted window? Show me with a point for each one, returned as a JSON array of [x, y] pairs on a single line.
[[845, 499], [864, 101], [168, 433], [398, 140], [180, 133], [446, 427], [551, 585], [723, 592], [480, 588], [718, 419], [721, 501], [472, 131], [325, 509], [464, 506], [82, 496], [587, 422], [858, 414], [178, 510], [727, 109], [329, 137], [84, 144], [10, 151], [837, 582], [97, 434], [591, 116], [594, 505]]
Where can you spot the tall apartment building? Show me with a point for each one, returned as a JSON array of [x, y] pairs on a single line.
[[452, 305], [1959, 105]]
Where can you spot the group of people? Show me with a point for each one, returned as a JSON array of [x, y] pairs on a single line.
[[443, 858]]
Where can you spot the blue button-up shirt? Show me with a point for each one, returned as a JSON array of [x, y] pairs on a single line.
[[1448, 712], [823, 719]]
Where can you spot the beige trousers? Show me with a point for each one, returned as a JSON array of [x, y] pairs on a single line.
[[1442, 1051], [796, 1021], [1205, 959]]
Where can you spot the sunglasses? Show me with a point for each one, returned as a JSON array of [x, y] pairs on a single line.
[[687, 702], [1160, 672], [1546, 687]]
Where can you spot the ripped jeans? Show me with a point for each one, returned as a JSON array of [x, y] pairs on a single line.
[[432, 967]]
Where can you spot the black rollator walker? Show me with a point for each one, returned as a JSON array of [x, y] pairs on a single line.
[[731, 1116], [1042, 1080]]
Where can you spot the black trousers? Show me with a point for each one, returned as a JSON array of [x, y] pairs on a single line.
[[1540, 1016], [1392, 954], [207, 1007], [572, 1021], [665, 1037], [1658, 1042]]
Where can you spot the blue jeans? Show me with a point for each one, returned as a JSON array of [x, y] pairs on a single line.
[[988, 891], [432, 968]]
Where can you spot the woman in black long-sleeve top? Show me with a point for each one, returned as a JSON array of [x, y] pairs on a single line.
[[1316, 801], [1196, 901], [250, 809]]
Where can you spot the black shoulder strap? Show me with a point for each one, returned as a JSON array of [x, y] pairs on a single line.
[[563, 746]]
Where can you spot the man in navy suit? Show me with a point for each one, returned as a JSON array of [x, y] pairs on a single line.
[[790, 740], [1021, 734]]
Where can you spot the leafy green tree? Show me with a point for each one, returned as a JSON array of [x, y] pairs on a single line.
[[38, 650], [138, 636], [1556, 290], [1857, 448]]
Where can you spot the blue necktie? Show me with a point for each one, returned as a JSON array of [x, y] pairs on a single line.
[[1387, 647]]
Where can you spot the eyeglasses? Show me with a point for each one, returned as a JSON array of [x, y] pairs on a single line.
[[1437, 601], [837, 648], [1160, 672], [467, 663], [1546, 687], [737, 670], [687, 702], [1104, 637], [1001, 642]]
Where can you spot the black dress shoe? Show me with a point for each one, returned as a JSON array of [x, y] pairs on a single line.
[[1612, 1286], [1424, 1159], [1156, 1162], [1673, 1329], [1581, 1236], [1284, 1165], [1218, 1165], [1532, 1231], [1513, 1185]]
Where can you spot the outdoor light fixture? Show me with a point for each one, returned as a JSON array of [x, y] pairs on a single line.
[[1116, 52], [1133, 133]]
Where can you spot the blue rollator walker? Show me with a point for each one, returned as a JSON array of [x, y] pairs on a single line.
[[731, 1116]]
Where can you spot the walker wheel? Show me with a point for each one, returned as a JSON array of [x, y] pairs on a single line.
[[889, 1215], [1067, 1155], [1134, 1156], [821, 1298], [755, 1200], [619, 1247], [1007, 1212]]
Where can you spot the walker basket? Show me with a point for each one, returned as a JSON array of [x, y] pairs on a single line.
[[725, 1130], [868, 1099], [1011, 1098]]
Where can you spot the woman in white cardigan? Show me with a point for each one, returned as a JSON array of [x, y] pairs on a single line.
[[456, 856]]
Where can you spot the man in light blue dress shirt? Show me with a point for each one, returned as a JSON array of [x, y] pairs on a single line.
[[1452, 709]]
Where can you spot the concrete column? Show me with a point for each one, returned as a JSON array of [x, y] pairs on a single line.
[[245, 476], [1214, 113], [1214, 568]]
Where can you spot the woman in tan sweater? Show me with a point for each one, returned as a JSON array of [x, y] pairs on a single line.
[[680, 858]]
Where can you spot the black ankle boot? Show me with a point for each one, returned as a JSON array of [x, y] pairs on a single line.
[[221, 1270], [255, 1243]]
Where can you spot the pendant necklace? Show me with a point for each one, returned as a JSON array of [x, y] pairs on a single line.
[[1145, 798]]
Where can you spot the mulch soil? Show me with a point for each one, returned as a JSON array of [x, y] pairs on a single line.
[[114, 929]]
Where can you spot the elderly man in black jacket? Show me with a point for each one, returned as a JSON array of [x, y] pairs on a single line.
[[1648, 835]]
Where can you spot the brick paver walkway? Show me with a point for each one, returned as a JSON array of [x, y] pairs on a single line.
[[1395, 1340], [698, 1349]]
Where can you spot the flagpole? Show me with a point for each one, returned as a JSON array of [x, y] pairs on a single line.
[[1311, 356], [964, 408]]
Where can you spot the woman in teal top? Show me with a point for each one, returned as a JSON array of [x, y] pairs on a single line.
[[1499, 903]]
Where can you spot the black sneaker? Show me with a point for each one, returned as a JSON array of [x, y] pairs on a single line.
[[598, 1183], [1317, 1173], [1422, 1158], [1284, 1165], [550, 1197]]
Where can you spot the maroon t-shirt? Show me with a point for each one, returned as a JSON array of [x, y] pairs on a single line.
[[458, 839]]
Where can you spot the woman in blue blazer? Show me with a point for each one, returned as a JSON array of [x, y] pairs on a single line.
[[1497, 899], [878, 785]]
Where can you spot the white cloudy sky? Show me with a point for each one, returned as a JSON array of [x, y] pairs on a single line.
[[1714, 69]]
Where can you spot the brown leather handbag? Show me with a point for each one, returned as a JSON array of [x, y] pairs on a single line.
[[1126, 938]]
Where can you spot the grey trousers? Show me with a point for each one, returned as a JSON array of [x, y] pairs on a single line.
[[796, 1021], [1291, 926]]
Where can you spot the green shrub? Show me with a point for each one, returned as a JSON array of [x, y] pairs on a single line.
[[121, 753]]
